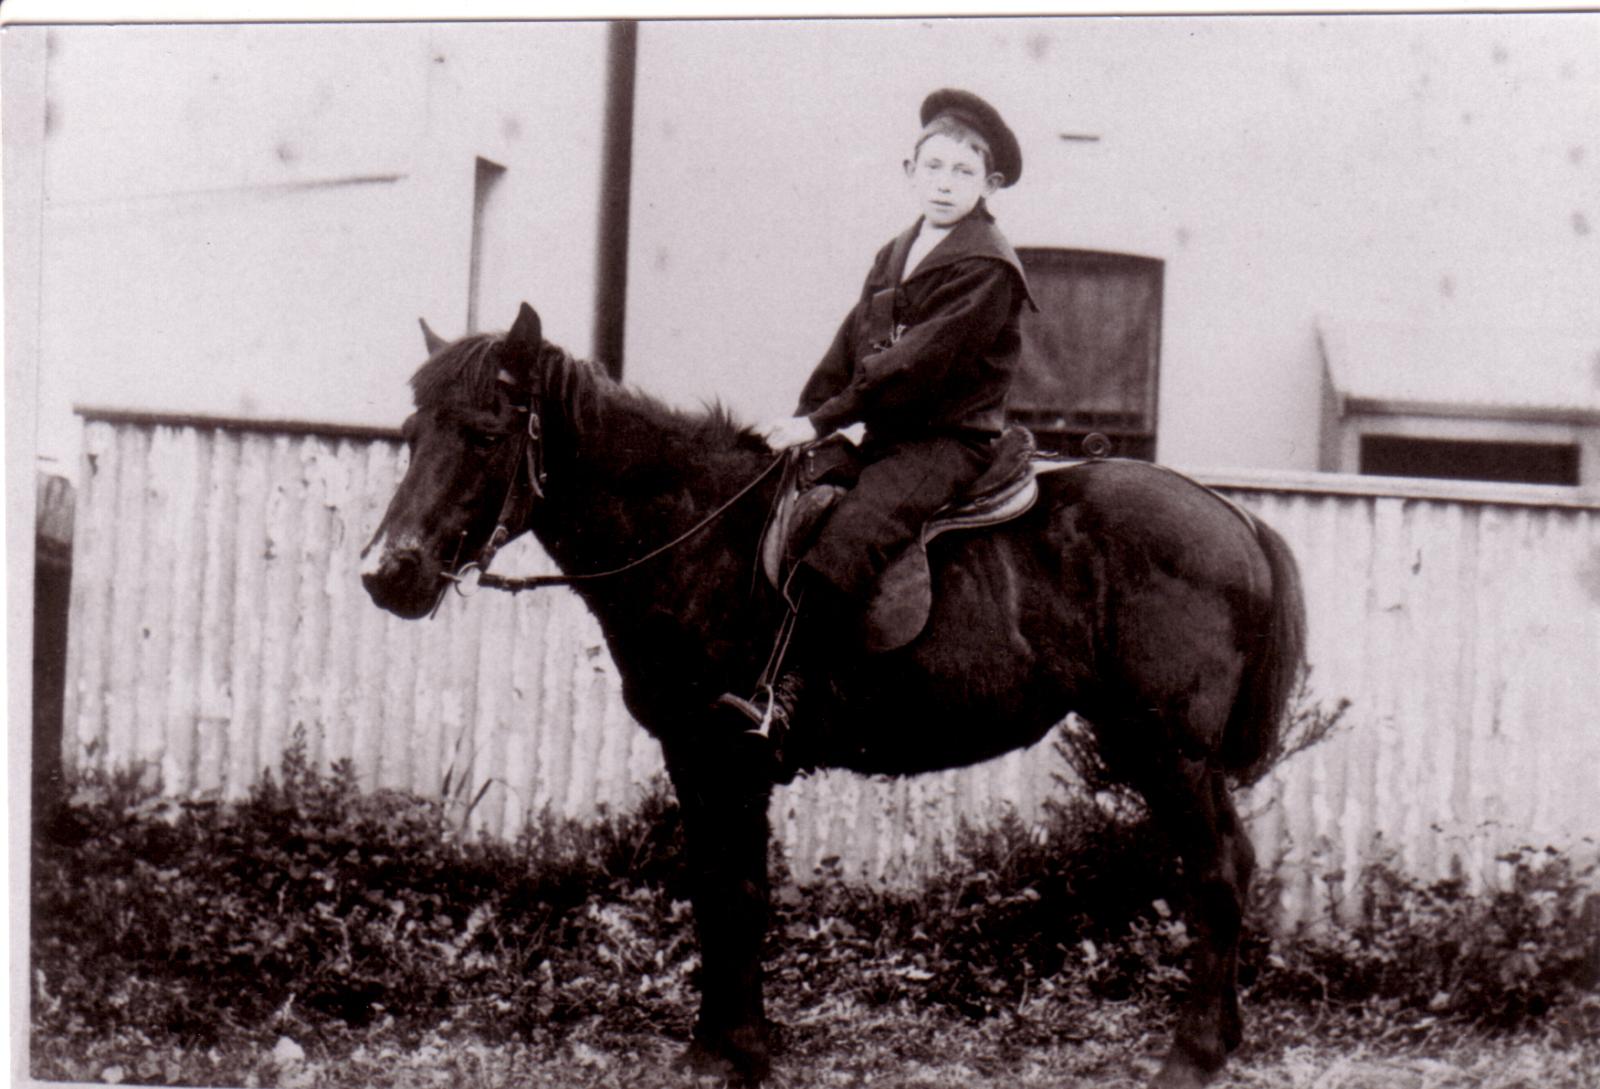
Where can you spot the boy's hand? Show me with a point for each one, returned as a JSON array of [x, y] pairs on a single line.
[[787, 431]]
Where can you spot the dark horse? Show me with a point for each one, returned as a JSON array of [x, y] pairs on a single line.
[[1168, 618]]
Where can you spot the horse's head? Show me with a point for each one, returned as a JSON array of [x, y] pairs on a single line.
[[475, 466]]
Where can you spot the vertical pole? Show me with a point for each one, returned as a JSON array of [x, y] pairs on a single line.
[[26, 126], [616, 171]]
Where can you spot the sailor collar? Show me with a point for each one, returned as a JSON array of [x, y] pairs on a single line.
[[974, 236]]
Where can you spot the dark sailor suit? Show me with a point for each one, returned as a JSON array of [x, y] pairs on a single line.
[[925, 363]]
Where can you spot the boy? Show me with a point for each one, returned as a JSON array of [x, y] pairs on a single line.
[[924, 360]]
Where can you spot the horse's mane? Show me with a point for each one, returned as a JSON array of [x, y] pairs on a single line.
[[464, 373], [461, 373]]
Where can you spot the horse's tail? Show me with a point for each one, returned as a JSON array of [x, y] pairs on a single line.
[[1251, 738]]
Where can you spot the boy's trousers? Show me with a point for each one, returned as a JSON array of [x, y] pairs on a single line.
[[902, 485]]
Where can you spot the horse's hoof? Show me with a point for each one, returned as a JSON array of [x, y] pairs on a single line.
[[701, 1059], [697, 1058], [1180, 1072], [779, 1037]]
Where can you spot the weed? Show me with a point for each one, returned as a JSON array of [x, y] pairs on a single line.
[[1425, 952], [169, 939]]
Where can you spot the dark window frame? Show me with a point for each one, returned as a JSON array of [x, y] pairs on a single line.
[[1062, 427], [1506, 461]]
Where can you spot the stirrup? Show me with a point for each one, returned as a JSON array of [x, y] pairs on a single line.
[[761, 718]]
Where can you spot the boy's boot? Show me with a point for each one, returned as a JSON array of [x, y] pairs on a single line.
[[773, 708], [818, 626]]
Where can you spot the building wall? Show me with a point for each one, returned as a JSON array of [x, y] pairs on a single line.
[[1415, 169], [216, 611], [259, 235]]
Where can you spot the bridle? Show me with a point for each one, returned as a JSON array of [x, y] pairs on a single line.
[[530, 454], [475, 572]]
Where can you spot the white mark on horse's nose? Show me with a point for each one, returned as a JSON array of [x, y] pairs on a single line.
[[405, 547], [372, 558]]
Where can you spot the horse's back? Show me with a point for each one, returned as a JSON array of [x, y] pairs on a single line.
[[1139, 515], [1125, 580]]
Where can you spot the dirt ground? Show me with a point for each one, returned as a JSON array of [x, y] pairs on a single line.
[[1504, 1065], [839, 1047]]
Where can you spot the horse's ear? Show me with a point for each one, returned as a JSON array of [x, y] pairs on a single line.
[[433, 340], [527, 332], [522, 345]]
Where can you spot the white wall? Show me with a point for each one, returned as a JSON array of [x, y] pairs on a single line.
[[221, 233], [1427, 169], [249, 220]]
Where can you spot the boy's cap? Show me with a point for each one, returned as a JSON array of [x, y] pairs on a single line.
[[983, 119]]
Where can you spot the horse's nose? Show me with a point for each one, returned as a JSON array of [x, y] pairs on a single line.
[[391, 567]]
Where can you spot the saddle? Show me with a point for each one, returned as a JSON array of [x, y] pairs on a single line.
[[899, 607]]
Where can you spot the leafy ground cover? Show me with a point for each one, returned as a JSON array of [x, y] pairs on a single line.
[[316, 936]]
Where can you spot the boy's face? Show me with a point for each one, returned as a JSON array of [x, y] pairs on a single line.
[[948, 179]]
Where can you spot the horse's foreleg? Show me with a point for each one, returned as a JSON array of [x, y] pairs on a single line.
[[1218, 860], [723, 792]]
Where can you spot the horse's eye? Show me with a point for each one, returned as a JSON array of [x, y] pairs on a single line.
[[484, 440]]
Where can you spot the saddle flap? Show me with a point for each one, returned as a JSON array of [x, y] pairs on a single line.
[[903, 598], [795, 521], [900, 603]]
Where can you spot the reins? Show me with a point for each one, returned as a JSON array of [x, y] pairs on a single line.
[[476, 573]]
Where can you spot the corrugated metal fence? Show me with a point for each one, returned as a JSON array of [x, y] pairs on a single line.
[[1463, 622], [216, 611]]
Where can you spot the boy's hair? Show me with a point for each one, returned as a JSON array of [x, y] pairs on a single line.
[[945, 125]]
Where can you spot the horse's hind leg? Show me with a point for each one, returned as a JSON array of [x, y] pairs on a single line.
[[723, 794], [1194, 807]]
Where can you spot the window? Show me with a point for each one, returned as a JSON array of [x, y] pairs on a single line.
[[486, 212], [1090, 357], [1458, 459], [1460, 400]]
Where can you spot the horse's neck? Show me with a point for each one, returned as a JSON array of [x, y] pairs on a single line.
[[628, 476]]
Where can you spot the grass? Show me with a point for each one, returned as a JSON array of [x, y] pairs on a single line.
[[316, 937]]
